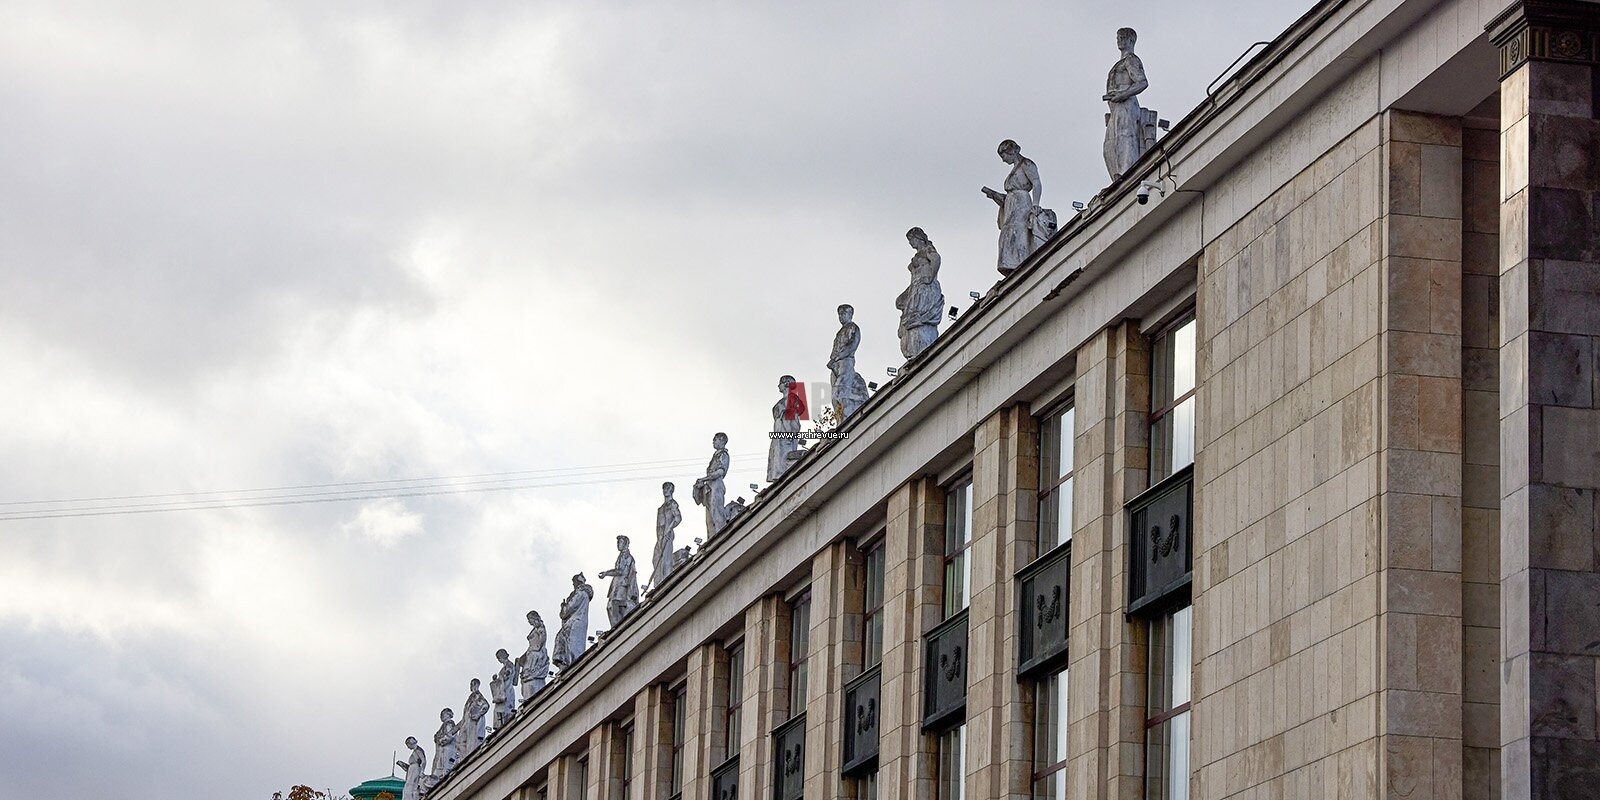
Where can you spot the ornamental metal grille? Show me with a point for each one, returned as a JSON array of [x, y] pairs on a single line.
[[1159, 543], [1042, 602], [862, 708], [945, 673]]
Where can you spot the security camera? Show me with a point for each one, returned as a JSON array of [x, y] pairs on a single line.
[[1145, 188]]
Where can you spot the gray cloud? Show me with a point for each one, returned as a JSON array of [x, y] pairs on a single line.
[[257, 244]]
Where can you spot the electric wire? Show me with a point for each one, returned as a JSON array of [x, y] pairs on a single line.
[[516, 480]]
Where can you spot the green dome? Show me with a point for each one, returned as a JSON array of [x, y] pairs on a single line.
[[370, 789]]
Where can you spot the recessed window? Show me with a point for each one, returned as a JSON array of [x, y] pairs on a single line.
[[622, 761], [580, 780], [957, 539], [1050, 737], [1055, 478], [730, 731], [1167, 722], [680, 711], [872, 605], [952, 757], [867, 786], [799, 646], [1172, 383]]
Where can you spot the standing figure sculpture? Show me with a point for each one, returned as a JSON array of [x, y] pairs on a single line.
[[573, 635], [1021, 220], [667, 518], [624, 595], [444, 744], [533, 666], [416, 767], [474, 727], [710, 491], [922, 303], [1125, 134], [849, 388], [785, 429], [503, 688]]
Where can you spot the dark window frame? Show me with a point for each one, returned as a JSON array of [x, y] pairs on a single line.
[[1049, 484], [873, 612], [680, 720], [961, 483], [732, 729], [799, 639], [1183, 317]]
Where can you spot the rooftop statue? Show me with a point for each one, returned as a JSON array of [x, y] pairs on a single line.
[[533, 666], [849, 389], [785, 428], [503, 688], [1126, 125], [667, 518], [624, 595], [710, 491], [922, 303], [573, 635], [444, 744], [474, 723], [1024, 224], [416, 767]]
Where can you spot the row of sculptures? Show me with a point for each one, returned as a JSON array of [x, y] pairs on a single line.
[[1024, 226]]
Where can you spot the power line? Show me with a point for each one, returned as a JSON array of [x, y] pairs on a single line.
[[349, 495], [554, 471]]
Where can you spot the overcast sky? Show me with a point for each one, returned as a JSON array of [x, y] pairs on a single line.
[[259, 244]]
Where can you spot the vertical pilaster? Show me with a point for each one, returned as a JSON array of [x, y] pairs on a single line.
[[913, 593], [1420, 495], [1005, 477], [1106, 684], [766, 651], [699, 723], [832, 573], [652, 743], [1549, 406], [1480, 457]]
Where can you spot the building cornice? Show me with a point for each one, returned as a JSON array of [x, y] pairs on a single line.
[[1565, 31]]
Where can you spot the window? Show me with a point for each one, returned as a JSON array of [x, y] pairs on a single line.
[[867, 786], [1172, 381], [1050, 738], [680, 710], [622, 760], [580, 780], [957, 538], [730, 730], [1167, 722], [872, 606], [799, 644], [952, 757], [1055, 478]]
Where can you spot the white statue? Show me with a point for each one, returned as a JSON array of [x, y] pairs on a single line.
[[1125, 124], [624, 595], [573, 635], [922, 303], [474, 723], [667, 518], [533, 666], [849, 388], [710, 492], [785, 428], [1021, 220], [444, 744], [416, 767], [503, 688]]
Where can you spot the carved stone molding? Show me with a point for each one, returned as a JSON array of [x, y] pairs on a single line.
[[1546, 30]]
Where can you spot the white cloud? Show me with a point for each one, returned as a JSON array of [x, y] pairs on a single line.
[[260, 244]]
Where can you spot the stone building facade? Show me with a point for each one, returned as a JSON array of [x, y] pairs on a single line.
[[1280, 485]]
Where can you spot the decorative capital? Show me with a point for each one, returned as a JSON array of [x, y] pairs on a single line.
[[1567, 31]]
